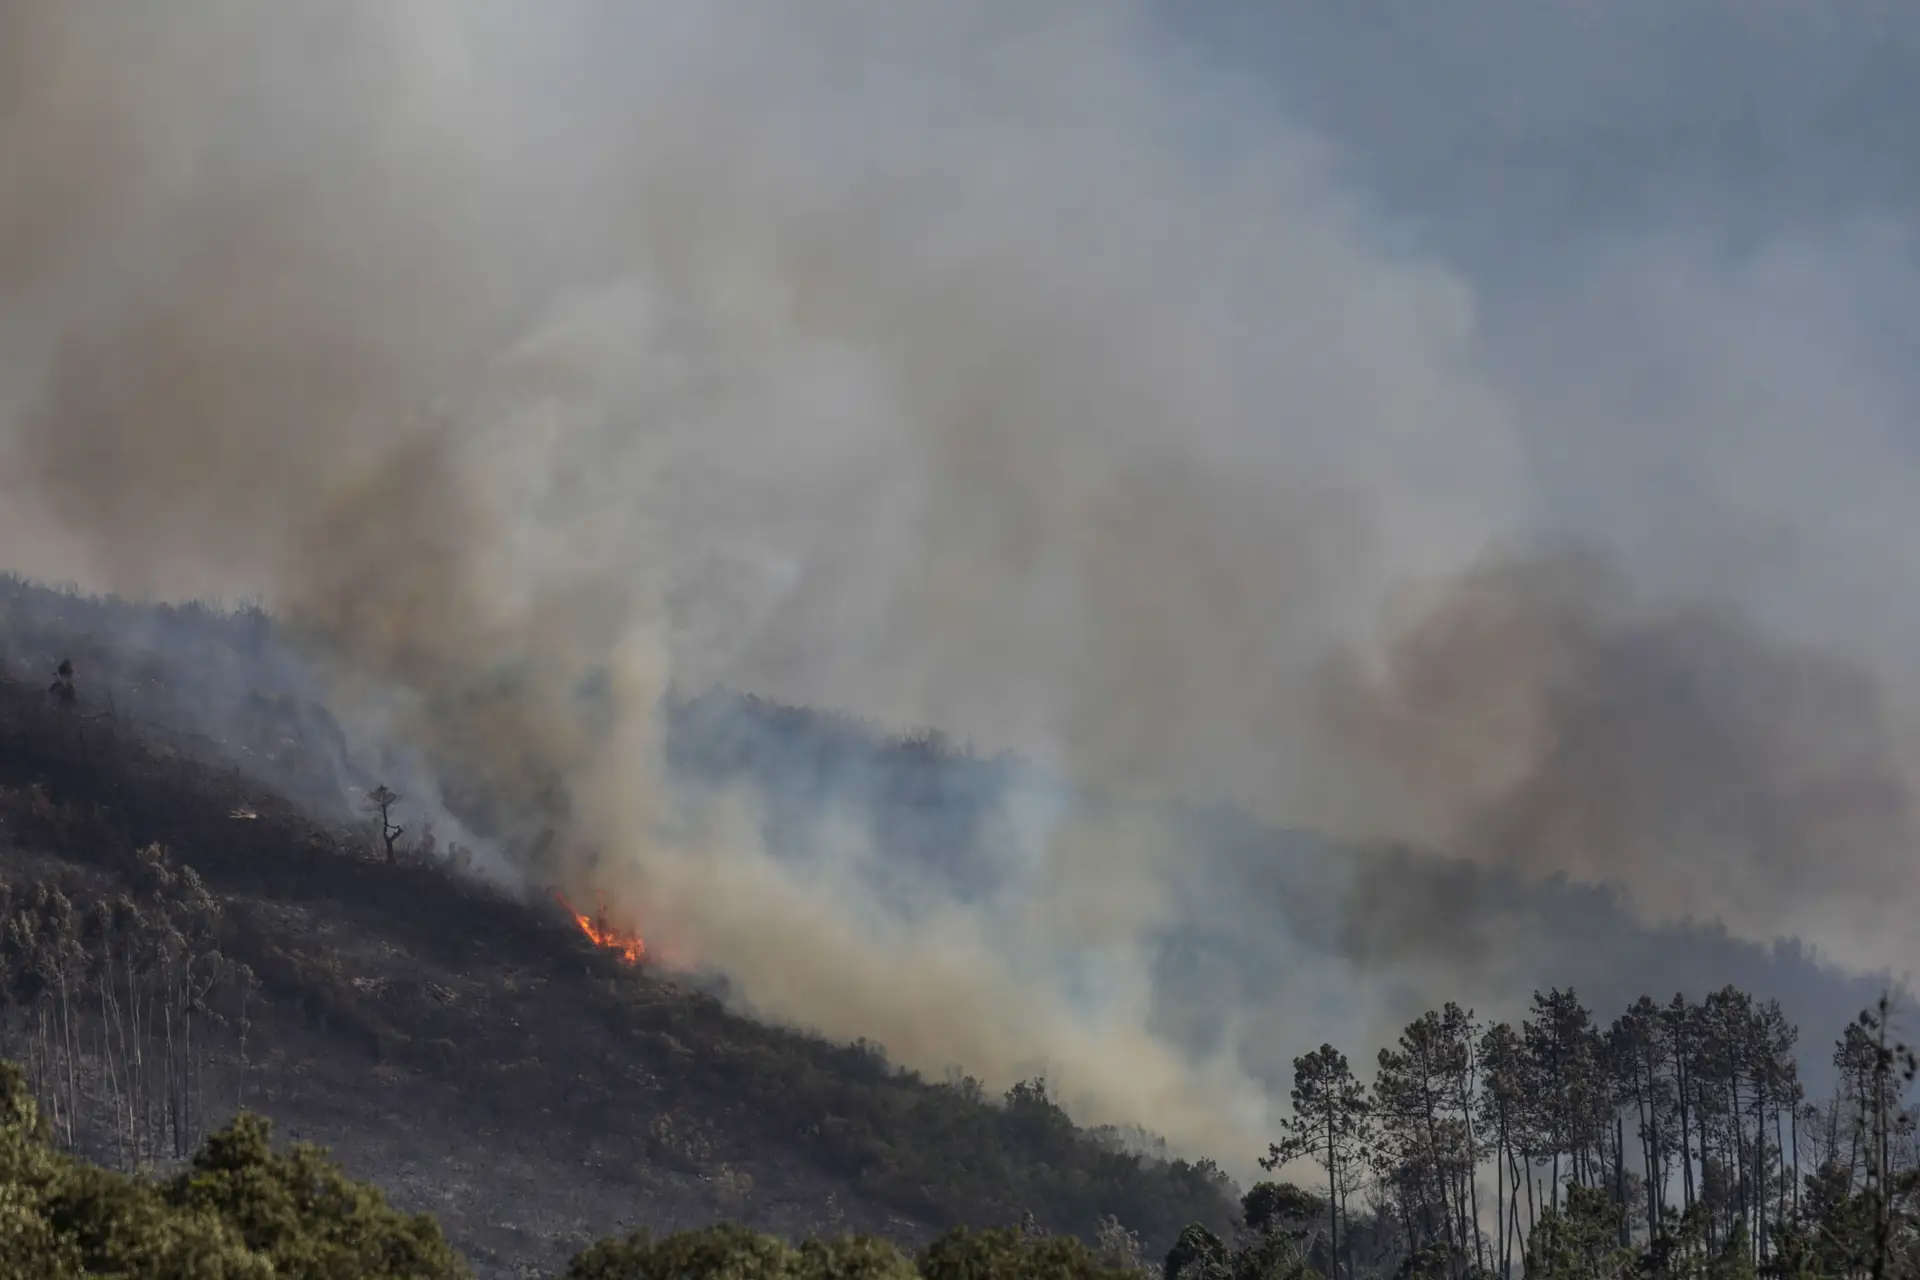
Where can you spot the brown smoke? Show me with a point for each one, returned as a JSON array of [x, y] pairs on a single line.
[[1545, 717], [950, 367]]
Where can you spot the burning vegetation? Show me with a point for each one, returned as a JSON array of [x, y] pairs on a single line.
[[603, 933]]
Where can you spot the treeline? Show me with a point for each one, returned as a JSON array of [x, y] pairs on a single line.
[[129, 1018], [1678, 1135], [1676, 1141]]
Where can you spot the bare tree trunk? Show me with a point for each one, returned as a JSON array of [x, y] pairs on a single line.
[[1620, 1176], [1533, 1219], [1781, 1188], [1513, 1226], [1686, 1134], [173, 1082], [109, 1025], [67, 1048], [1738, 1136], [1333, 1194], [1500, 1200], [1796, 1159], [1760, 1164], [1473, 1191]]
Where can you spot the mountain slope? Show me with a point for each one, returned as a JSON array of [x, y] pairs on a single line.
[[480, 1058], [474, 1053]]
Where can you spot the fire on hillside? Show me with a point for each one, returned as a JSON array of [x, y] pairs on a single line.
[[628, 945]]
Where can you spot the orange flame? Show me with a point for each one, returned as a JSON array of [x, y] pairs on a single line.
[[630, 946]]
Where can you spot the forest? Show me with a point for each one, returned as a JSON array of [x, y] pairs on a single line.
[[1728, 1171], [1678, 1138]]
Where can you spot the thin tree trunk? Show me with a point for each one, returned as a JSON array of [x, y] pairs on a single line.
[[1620, 1176], [1738, 1137], [1854, 1160], [1333, 1194], [1796, 1159], [109, 1024], [1513, 1227], [1780, 1145], [1349, 1220], [1760, 1164], [1686, 1134], [1533, 1217], [1500, 1200], [1656, 1189], [173, 1080], [67, 1049], [1454, 1250], [1473, 1191]]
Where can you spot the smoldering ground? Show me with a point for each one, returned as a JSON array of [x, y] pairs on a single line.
[[997, 369]]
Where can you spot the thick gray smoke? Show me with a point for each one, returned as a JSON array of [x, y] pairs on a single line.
[[992, 367], [1555, 721]]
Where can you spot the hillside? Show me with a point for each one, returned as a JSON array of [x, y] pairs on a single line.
[[247, 1207], [471, 1053], [1277, 934]]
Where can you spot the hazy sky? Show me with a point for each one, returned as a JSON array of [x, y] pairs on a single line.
[[1200, 397], [1689, 228]]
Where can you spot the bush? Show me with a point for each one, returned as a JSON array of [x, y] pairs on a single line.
[[243, 1211], [240, 1210], [728, 1252], [1013, 1255]]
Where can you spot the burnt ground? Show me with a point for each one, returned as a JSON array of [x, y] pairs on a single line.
[[477, 1057], [535, 1120]]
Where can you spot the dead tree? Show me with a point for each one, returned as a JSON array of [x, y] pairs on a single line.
[[61, 690], [381, 800]]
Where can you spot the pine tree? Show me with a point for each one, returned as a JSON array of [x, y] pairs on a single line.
[[1331, 1123]]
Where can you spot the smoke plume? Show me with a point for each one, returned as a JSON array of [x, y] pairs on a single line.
[[997, 367], [1552, 720]]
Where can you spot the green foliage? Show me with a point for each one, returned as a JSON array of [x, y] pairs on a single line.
[[1013, 1255], [1198, 1254], [298, 1210], [1272, 1254], [1280, 1206], [240, 1211], [728, 1252], [1580, 1239], [142, 970], [1271, 1257], [60, 1217]]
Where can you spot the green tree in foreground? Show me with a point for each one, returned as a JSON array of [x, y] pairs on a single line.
[[727, 1252], [243, 1211], [240, 1210], [1330, 1123], [735, 1253]]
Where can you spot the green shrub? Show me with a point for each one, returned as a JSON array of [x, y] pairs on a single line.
[[240, 1211], [728, 1252], [1013, 1255]]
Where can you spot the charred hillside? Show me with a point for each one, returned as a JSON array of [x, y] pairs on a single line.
[[478, 1056], [185, 938]]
